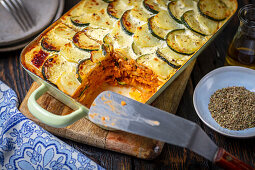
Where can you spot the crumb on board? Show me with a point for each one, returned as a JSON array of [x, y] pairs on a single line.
[[103, 98], [103, 118], [92, 115], [108, 101], [123, 103]]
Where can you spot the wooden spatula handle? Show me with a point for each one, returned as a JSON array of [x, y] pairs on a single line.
[[228, 161]]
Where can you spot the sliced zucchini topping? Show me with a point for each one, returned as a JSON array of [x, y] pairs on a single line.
[[184, 41], [173, 57], [108, 39], [84, 67], [128, 24], [138, 50], [166, 22], [53, 68], [190, 21], [116, 8], [213, 9], [82, 41], [209, 26], [57, 38], [97, 56], [68, 82], [153, 6], [158, 66], [155, 30], [96, 34], [170, 60], [177, 8], [79, 21], [49, 45], [144, 38], [120, 39], [140, 14], [73, 54]]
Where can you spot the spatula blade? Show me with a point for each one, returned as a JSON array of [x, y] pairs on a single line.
[[119, 112]]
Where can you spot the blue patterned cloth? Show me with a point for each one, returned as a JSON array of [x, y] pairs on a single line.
[[25, 145]]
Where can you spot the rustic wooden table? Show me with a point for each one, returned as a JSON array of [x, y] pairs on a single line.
[[172, 157]]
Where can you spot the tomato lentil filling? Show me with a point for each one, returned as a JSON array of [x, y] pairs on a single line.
[[118, 71]]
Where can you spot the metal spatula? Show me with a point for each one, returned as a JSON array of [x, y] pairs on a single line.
[[113, 110]]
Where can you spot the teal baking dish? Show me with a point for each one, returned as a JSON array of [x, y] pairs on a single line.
[[81, 110]]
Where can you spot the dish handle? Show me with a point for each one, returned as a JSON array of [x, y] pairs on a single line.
[[49, 118]]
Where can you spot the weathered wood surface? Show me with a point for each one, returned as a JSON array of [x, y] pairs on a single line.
[[86, 132], [172, 157]]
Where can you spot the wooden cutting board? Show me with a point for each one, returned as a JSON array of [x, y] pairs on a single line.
[[84, 131]]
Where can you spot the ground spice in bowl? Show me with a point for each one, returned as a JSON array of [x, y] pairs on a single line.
[[233, 108]]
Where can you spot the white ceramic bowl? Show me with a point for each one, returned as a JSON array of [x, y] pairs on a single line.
[[217, 79]]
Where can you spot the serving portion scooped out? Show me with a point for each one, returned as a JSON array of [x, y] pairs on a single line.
[[127, 46]]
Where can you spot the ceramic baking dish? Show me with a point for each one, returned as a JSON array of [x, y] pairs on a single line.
[[79, 109]]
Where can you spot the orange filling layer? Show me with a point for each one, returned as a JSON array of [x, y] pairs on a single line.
[[118, 71]]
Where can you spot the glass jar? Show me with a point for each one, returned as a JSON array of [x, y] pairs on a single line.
[[241, 51]]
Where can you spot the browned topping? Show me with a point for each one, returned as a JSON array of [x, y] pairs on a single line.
[[76, 38], [48, 45], [233, 108], [39, 58]]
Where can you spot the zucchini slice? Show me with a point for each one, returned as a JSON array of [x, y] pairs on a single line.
[[213, 9], [79, 21], [68, 82], [57, 38], [96, 34], [168, 58], [84, 67], [142, 50], [116, 8], [136, 49], [128, 24], [53, 67], [164, 21], [97, 56], [140, 13], [73, 54], [190, 21], [177, 8], [154, 6], [108, 39], [49, 45], [120, 39], [82, 41], [155, 30], [158, 66], [184, 41], [144, 38]]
